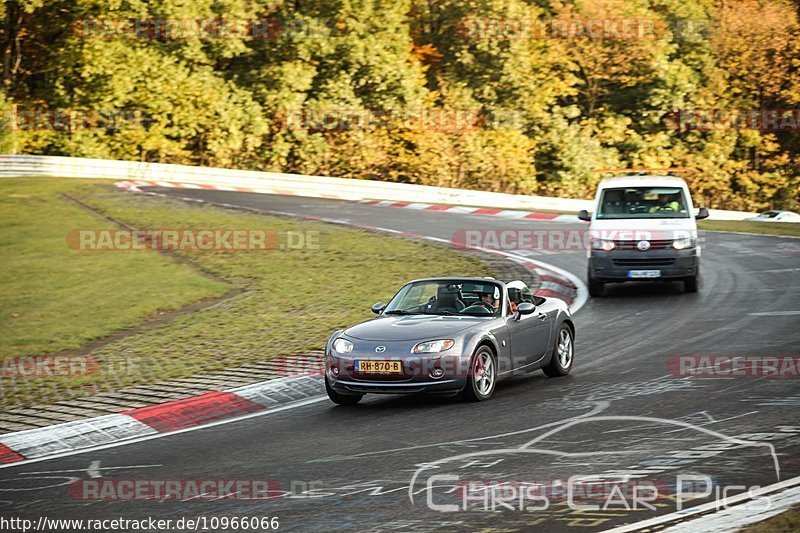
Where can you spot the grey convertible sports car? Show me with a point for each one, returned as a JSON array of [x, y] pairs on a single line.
[[450, 336]]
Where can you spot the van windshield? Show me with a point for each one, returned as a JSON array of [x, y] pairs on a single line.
[[642, 202]]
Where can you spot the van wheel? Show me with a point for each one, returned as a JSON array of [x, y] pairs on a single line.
[[596, 288], [691, 284]]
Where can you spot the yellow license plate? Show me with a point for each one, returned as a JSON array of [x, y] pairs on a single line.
[[379, 367]]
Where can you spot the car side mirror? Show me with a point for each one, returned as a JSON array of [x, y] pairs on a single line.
[[378, 308], [583, 214], [525, 308], [702, 213]]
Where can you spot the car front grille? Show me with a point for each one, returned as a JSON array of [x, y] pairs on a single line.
[[360, 376]]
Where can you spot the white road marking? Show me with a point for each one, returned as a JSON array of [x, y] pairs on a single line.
[[680, 423], [776, 313], [436, 239], [598, 408], [73, 470], [711, 506], [730, 520], [94, 470]]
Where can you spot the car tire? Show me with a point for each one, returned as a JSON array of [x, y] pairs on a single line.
[[342, 399], [477, 388], [596, 288], [563, 353], [691, 284]]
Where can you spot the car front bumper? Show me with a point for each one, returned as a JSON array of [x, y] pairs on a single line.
[[416, 376], [616, 264]]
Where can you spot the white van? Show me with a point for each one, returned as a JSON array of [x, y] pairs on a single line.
[[643, 228]]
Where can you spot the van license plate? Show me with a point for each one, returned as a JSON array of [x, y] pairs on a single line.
[[638, 274]]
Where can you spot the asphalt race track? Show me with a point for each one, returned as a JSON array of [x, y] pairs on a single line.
[[620, 411]]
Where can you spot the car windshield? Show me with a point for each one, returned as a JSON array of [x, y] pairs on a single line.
[[769, 214], [642, 202], [447, 297]]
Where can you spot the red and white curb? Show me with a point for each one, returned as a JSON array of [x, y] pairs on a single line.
[[168, 417], [463, 210], [133, 185], [444, 208]]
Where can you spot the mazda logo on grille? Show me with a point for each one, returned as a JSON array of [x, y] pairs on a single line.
[[380, 349], [643, 245]]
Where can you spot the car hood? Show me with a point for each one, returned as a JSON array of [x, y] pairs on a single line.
[[412, 327]]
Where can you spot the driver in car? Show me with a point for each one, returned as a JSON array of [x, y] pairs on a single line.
[[488, 300]]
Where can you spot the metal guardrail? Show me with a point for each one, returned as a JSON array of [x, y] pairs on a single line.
[[312, 186]]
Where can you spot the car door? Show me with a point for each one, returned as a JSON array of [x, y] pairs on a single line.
[[529, 337]]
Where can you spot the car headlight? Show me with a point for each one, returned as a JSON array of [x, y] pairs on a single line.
[[682, 244], [603, 244], [342, 345], [433, 346]]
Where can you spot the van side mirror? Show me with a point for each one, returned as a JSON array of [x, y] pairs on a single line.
[[378, 308], [525, 308], [583, 214], [702, 213]]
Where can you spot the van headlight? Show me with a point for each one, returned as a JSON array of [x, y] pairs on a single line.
[[342, 345], [603, 244], [682, 244]]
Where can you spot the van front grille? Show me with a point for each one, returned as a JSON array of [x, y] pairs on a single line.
[[645, 262]]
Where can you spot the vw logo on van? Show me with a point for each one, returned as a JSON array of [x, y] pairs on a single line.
[[643, 245]]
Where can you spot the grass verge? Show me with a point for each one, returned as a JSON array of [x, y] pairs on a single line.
[[290, 299], [788, 522], [53, 297], [748, 226]]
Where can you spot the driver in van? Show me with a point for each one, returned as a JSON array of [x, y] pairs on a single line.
[[666, 202]]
